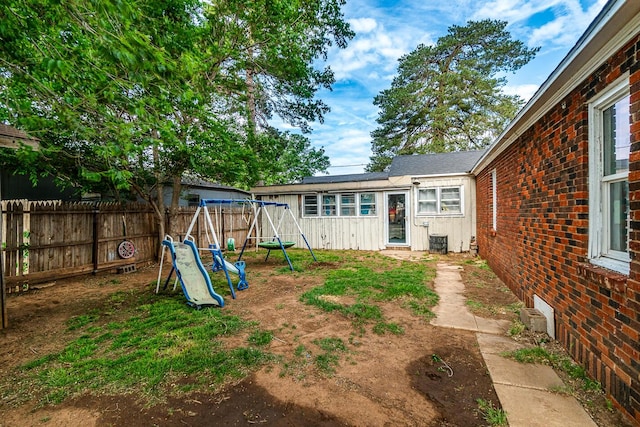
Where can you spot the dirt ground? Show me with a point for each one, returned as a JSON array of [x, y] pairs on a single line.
[[385, 380]]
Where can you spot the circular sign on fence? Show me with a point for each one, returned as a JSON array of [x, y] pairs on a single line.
[[126, 249]]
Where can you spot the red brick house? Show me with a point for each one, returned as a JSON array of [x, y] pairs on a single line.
[[558, 203]]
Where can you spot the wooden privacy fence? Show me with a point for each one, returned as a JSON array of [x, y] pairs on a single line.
[[51, 240], [46, 241]]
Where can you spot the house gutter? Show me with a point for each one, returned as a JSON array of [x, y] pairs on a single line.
[[441, 175], [614, 25]]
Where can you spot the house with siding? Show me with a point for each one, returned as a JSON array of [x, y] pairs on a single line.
[[194, 189], [423, 202], [558, 203]]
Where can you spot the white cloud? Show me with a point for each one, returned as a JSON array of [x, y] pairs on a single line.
[[524, 91], [363, 25], [374, 49], [560, 31], [514, 10]]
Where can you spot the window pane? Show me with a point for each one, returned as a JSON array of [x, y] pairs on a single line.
[[367, 204], [311, 205], [428, 194], [329, 205], [618, 216], [450, 200], [428, 201], [427, 207], [616, 132], [348, 205], [193, 200]]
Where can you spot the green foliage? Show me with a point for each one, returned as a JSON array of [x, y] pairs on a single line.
[[496, 417], [448, 97], [286, 157], [127, 96]]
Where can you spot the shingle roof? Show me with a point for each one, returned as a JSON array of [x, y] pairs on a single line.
[[435, 164], [356, 177]]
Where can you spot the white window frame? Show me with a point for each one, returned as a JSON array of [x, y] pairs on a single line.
[[439, 211], [599, 253], [372, 210], [329, 209], [304, 206], [352, 206]]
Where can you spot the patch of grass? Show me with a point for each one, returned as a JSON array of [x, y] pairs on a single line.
[[260, 338], [423, 308], [327, 361], [296, 367], [382, 328], [496, 417], [397, 281], [560, 362], [516, 306], [517, 327], [531, 355], [82, 320], [477, 305], [160, 340]]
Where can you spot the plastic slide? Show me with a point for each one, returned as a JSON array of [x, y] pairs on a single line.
[[194, 279]]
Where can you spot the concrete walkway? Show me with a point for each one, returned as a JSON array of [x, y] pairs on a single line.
[[524, 390]]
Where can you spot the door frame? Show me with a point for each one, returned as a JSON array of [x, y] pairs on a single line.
[[407, 214]]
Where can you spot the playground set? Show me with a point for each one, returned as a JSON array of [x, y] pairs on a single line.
[[187, 263]]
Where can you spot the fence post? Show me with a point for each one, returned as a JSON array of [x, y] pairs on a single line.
[[3, 296], [94, 254]]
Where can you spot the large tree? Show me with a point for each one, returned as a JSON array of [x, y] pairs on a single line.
[[131, 95], [449, 96]]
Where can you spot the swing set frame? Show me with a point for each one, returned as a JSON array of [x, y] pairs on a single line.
[[276, 242], [258, 207]]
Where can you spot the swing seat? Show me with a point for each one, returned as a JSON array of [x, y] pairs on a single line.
[[275, 245]]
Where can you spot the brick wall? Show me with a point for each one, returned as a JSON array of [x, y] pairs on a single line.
[[540, 244]]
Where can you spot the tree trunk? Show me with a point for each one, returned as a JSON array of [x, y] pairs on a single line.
[[175, 202], [159, 207]]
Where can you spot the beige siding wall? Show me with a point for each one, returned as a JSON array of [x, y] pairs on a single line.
[[369, 233], [363, 233], [458, 229]]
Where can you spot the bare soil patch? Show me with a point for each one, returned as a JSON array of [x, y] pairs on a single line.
[[382, 380]]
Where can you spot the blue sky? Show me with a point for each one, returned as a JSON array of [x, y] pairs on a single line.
[[386, 30]]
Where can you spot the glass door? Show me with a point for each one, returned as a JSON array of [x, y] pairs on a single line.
[[397, 219]]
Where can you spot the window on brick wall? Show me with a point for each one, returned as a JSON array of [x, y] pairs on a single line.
[[609, 147]]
